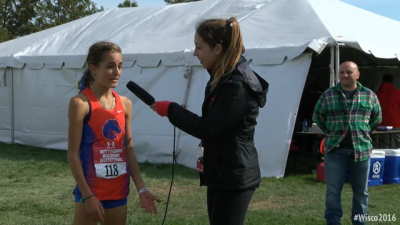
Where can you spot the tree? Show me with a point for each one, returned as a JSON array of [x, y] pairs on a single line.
[[4, 36], [179, 1], [24, 17], [127, 4], [56, 12], [17, 17]]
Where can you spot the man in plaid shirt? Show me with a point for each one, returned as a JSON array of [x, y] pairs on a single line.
[[347, 113]]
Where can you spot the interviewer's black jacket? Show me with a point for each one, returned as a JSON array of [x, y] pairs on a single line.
[[227, 128]]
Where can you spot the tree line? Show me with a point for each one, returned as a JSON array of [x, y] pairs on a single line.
[[23, 17]]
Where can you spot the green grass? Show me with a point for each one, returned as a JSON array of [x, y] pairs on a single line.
[[36, 188]]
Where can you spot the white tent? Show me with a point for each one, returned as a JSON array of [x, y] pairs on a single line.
[[282, 38]]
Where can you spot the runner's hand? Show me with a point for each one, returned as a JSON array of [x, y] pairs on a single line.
[[94, 209], [147, 200]]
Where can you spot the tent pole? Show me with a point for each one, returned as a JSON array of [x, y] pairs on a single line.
[[332, 67], [337, 62], [12, 105], [188, 76]]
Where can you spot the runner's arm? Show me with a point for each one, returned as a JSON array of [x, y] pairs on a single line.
[[131, 157], [76, 113]]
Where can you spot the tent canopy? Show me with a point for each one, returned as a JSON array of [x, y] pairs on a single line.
[[165, 33]]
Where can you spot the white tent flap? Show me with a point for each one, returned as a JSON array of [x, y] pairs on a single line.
[[5, 105]]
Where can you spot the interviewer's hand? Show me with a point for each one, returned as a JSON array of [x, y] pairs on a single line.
[[153, 107], [147, 200], [161, 108]]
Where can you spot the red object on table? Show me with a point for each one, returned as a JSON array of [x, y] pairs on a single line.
[[321, 147]]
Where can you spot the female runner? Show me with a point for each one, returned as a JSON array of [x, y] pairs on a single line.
[[100, 149]]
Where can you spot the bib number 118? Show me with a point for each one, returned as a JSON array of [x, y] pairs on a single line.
[[111, 170]]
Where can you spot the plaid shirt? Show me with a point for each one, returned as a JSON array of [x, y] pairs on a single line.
[[335, 117]]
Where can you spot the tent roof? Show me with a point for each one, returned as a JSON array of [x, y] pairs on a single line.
[[272, 30]]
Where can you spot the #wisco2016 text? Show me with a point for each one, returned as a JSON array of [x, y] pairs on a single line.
[[380, 217]]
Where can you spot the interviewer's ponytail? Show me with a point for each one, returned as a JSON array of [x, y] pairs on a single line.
[[226, 33]]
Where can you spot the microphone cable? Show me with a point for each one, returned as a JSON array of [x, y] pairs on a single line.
[[172, 176], [149, 100]]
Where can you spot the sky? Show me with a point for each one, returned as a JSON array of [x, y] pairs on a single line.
[[387, 8]]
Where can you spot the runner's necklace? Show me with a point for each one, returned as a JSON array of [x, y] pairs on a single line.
[[112, 105]]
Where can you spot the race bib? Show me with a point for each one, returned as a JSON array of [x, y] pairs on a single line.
[[109, 159]]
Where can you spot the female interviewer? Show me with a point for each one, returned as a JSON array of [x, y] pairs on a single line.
[[226, 128]]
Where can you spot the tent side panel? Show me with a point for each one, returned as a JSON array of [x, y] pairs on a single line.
[[42, 98], [277, 119], [5, 105], [41, 105], [275, 122]]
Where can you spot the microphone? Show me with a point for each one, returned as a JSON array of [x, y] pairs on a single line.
[[142, 94]]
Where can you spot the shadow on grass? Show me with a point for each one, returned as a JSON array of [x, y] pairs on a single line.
[[18, 152]]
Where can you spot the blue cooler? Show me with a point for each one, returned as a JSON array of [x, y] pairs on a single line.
[[391, 174], [377, 167]]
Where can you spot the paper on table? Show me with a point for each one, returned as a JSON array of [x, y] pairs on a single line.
[[314, 128]]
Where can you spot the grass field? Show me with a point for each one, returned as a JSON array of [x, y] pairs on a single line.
[[36, 188]]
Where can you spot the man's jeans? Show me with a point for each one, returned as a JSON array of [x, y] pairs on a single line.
[[337, 162]]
